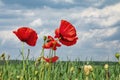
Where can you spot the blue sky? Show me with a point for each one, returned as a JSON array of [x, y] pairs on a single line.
[[97, 23]]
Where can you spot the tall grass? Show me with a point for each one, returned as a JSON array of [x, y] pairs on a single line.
[[61, 70]]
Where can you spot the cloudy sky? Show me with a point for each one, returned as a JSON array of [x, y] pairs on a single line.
[[97, 23]]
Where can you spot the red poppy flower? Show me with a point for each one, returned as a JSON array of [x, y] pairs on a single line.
[[52, 59], [27, 35], [66, 33], [51, 43]]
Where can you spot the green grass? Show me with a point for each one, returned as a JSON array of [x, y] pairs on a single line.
[[61, 70]]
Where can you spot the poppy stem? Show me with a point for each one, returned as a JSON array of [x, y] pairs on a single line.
[[22, 53], [42, 52], [119, 60]]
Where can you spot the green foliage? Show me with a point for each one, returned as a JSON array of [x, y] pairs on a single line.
[[61, 70]]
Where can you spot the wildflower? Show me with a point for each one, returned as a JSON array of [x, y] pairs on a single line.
[[27, 35], [66, 33], [51, 43], [51, 60]]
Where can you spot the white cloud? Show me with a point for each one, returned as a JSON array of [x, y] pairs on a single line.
[[97, 33], [36, 23], [96, 2], [108, 44], [67, 1], [29, 14], [7, 36], [105, 17], [45, 32]]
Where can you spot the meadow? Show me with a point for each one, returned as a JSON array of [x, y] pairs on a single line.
[[50, 67], [61, 70]]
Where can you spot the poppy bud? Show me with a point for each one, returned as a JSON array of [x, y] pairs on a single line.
[[45, 38], [71, 69], [117, 55], [36, 72], [106, 66], [3, 55], [18, 77]]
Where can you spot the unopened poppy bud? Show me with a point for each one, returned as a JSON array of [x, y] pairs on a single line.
[[36, 63], [71, 69], [106, 66], [45, 38], [76, 79], [38, 59], [36, 72], [3, 55], [18, 77], [0, 74], [21, 78], [47, 64], [117, 55], [8, 57]]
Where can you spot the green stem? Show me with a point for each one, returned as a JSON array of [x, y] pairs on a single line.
[[119, 60], [86, 78], [22, 53], [42, 52]]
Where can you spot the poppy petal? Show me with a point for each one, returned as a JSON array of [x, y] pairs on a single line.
[[69, 43], [52, 59], [26, 34], [67, 29], [57, 33]]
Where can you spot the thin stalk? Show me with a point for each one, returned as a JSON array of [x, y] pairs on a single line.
[[22, 53], [119, 60]]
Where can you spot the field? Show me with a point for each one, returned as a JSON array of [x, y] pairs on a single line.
[[61, 70], [50, 67]]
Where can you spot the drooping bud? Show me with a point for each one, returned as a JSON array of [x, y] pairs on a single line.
[[106, 66]]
